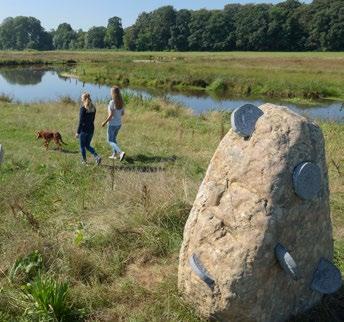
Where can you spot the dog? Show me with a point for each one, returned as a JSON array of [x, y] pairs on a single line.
[[48, 136]]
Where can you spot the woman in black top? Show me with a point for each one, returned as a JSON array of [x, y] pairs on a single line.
[[86, 127]]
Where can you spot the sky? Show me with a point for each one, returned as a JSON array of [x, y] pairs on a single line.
[[87, 13]]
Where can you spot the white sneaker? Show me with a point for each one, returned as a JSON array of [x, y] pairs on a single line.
[[113, 157], [121, 156]]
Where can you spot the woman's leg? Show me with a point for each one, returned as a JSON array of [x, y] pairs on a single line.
[[89, 137], [82, 139], [112, 138]]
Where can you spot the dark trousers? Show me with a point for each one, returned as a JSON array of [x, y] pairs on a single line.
[[85, 143]]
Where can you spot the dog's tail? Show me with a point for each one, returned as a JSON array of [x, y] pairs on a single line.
[[60, 138], [63, 142]]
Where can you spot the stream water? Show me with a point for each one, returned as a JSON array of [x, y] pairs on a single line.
[[34, 84]]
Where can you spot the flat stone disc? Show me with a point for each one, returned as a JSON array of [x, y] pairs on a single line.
[[244, 119], [1, 153], [200, 271], [327, 278], [307, 180], [286, 261]]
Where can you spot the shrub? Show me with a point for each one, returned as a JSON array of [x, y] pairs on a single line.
[[46, 300], [218, 85]]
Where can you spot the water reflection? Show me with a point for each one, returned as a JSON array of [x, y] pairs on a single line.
[[32, 85], [21, 76]]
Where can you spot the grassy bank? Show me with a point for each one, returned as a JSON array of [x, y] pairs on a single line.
[[112, 234], [298, 77]]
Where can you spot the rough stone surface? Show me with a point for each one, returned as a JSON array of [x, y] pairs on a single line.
[[245, 206], [1, 153]]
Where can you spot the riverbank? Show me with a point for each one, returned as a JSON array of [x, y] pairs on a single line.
[[113, 234], [295, 77]]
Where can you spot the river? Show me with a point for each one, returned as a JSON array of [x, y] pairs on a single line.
[[32, 84]]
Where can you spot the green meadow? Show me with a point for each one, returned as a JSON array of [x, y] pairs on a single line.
[[101, 243], [296, 77]]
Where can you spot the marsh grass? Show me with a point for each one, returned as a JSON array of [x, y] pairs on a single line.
[[292, 76], [112, 234], [5, 98]]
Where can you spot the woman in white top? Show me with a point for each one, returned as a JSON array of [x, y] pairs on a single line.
[[115, 113]]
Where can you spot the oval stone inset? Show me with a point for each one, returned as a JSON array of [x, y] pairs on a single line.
[[286, 261], [327, 278], [200, 271], [244, 119], [307, 180]]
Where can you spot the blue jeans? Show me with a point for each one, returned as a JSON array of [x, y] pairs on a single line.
[[85, 141], [112, 138]]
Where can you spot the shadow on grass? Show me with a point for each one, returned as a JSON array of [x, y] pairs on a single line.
[[141, 158], [65, 151], [331, 309], [133, 168]]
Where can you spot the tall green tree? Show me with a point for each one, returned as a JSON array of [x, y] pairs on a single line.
[[114, 33], [95, 37], [162, 20], [326, 26], [180, 31], [129, 38], [198, 39], [23, 33], [79, 41], [64, 36], [252, 23]]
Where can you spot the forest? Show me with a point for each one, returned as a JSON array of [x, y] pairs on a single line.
[[287, 26]]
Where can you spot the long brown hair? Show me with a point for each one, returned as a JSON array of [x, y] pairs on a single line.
[[117, 97], [87, 102]]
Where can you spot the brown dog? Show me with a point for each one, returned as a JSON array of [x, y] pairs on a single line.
[[48, 136]]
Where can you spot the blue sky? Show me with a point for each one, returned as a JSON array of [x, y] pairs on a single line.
[[87, 13]]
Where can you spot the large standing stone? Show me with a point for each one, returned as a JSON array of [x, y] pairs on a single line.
[[256, 238]]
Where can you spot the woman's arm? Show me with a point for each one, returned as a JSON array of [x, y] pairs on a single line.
[[81, 120], [110, 114]]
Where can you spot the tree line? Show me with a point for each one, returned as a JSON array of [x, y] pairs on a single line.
[[287, 26]]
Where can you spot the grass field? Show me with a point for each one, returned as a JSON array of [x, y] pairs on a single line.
[[102, 242], [297, 77]]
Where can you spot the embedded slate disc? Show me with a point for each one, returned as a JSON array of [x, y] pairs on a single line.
[[307, 180], [200, 271], [327, 278], [286, 261], [1, 153], [244, 119]]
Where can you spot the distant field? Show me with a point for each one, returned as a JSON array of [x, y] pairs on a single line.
[[298, 77], [113, 235]]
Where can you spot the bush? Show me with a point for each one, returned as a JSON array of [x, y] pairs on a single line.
[[218, 85], [46, 300]]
